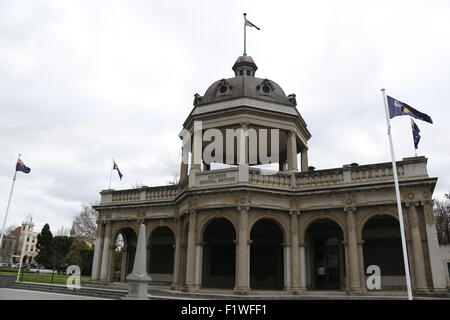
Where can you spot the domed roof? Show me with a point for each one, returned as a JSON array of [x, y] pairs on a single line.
[[245, 84]]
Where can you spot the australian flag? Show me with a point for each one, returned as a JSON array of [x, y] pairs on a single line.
[[118, 171], [397, 108], [415, 133], [20, 166]]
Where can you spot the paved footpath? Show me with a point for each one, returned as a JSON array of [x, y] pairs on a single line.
[[18, 294]]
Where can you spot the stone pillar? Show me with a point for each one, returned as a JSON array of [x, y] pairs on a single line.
[[292, 151], [98, 248], [177, 257], [355, 284], [123, 267], [417, 250], [242, 283], [198, 264], [437, 268], [184, 165], [206, 167], [106, 252], [295, 252], [302, 270], [191, 253], [243, 154], [304, 159], [287, 266]]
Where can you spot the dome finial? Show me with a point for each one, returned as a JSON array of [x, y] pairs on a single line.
[[244, 66]]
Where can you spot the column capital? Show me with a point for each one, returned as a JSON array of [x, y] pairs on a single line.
[[244, 125], [350, 209], [295, 212], [243, 208]]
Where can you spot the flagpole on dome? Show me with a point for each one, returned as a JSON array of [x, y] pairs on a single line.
[[245, 37], [399, 204], [9, 202]]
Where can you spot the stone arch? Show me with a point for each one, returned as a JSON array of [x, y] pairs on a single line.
[[316, 217], [281, 224], [218, 253], [161, 253], [128, 253], [268, 254], [151, 226], [204, 224], [364, 221]]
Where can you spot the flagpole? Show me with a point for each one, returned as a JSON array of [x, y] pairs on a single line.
[[245, 37], [399, 205], [110, 176], [9, 202]]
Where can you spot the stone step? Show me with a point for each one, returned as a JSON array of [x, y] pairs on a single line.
[[92, 292]]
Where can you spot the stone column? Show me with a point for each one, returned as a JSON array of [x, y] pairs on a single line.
[[177, 257], [106, 252], [437, 268], [287, 266], [184, 165], [242, 283], [198, 264], [243, 153], [191, 253], [123, 267], [295, 252], [292, 151], [417, 250], [304, 159], [98, 248], [302, 259], [355, 284]]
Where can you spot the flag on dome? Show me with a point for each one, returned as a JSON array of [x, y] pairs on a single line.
[[249, 24]]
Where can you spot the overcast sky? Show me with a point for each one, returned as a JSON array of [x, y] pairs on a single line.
[[84, 81]]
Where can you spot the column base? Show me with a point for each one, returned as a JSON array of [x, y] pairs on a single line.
[[355, 292], [191, 288], [421, 292], [242, 290], [176, 286], [297, 291]]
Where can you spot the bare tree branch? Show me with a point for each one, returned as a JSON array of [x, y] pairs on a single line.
[[85, 223]]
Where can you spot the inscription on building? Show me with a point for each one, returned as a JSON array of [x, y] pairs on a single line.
[[216, 178]]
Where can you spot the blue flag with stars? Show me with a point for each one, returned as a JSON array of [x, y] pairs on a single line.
[[398, 108]]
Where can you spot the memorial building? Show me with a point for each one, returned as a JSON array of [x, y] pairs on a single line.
[[232, 223]]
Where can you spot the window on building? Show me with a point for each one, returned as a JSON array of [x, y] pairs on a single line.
[[241, 72], [26, 247], [448, 267], [248, 72], [23, 229], [28, 239]]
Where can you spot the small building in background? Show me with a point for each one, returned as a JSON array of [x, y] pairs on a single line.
[[25, 233], [7, 249]]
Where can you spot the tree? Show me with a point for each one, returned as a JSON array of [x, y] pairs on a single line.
[[80, 254], [62, 231], [43, 244], [442, 217], [60, 246], [85, 223]]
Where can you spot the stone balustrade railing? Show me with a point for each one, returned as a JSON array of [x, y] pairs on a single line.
[[408, 168], [162, 193]]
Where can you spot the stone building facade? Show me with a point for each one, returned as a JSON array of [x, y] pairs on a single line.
[[247, 228], [7, 249]]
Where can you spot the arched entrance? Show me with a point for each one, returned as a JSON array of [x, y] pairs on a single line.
[[219, 254], [161, 255], [124, 252], [266, 256], [383, 247], [325, 260]]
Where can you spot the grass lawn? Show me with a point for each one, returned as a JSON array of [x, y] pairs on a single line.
[[42, 278]]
